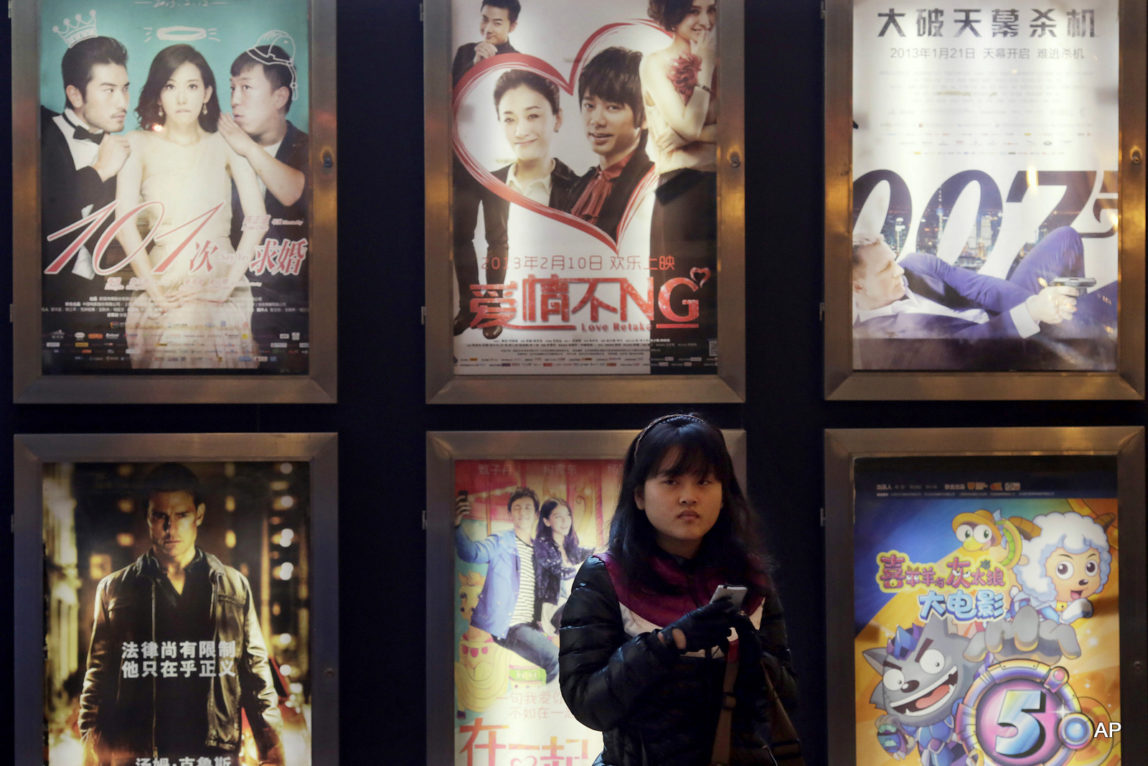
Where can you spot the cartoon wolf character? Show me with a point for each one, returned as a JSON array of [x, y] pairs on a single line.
[[924, 676]]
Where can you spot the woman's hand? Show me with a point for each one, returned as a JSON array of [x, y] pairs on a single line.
[[159, 298], [704, 45], [702, 628]]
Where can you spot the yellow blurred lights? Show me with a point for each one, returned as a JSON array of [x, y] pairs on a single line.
[[286, 468], [229, 503], [286, 538], [229, 538], [284, 502], [125, 539]]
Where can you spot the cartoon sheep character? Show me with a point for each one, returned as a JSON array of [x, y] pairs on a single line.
[[1062, 566]]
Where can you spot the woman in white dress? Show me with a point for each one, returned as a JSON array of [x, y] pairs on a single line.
[[679, 90], [195, 307]]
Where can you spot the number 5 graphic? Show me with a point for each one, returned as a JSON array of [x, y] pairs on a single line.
[[1015, 710]]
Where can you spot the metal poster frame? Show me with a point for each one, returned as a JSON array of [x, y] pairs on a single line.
[[445, 386], [843, 447], [843, 382], [443, 448], [32, 386], [33, 451]]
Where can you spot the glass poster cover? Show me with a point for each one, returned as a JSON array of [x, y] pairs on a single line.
[[572, 284], [588, 191], [174, 160], [986, 611], [506, 693], [986, 149], [494, 500], [165, 586], [106, 531]]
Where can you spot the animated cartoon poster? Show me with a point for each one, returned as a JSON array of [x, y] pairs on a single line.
[[986, 611], [174, 168], [509, 709], [584, 199], [985, 187], [177, 618]]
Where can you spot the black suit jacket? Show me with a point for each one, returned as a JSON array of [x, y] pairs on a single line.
[[64, 194], [562, 183], [615, 205], [280, 279], [464, 59]]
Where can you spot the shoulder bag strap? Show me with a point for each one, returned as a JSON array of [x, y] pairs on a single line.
[[722, 735]]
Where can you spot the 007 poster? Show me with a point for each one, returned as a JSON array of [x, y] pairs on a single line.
[[177, 614], [986, 612], [584, 199], [174, 184], [985, 150], [508, 707]]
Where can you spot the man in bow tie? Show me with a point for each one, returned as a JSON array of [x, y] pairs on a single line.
[[610, 97], [80, 158]]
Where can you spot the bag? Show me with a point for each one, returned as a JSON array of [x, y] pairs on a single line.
[[786, 746], [786, 749]]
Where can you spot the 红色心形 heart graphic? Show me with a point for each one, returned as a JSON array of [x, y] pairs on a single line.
[[700, 275], [494, 66]]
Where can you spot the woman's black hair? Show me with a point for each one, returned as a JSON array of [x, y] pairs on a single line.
[[733, 543], [669, 13], [570, 544], [513, 78], [165, 62]]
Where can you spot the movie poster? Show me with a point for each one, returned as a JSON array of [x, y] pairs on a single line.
[[985, 155], [509, 709], [584, 199], [986, 611], [174, 185], [177, 625]]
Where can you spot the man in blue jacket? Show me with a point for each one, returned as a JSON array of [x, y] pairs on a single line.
[[506, 607]]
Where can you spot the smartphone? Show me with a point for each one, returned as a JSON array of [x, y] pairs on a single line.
[[735, 593]]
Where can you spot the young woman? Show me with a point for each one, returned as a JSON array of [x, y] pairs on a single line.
[[643, 649], [557, 555], [679, 90], [530, 114], [195, 308]]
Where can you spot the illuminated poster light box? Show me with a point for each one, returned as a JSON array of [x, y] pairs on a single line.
[[993, 595], [578, 251], [484, 700], [174, 201], [984, 200], [165, 588]]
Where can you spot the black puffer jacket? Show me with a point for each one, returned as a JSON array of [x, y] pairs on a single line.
[[656, 708]]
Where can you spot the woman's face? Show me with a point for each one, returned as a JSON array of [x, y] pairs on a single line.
[[560, 520], [528, 122], [682, 508], [701, 18], [183, 95]]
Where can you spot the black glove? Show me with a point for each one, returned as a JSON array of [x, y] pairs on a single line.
[[703, 627]]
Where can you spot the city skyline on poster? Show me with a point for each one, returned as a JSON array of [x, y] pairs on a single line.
[[985, 156]]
